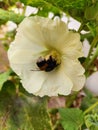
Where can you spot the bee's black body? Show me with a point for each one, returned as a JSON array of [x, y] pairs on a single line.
[[46, 65]]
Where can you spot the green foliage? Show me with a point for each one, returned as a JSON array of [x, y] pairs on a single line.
[[10, 16], [18, 111], [91, 121], [92, 27], [43, 7], [88, 100], [91, 16], [91, 13], [68, 4], [74, 8], [3, 77], [71, 118]]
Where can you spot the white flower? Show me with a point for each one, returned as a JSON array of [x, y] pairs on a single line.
[[40, 39]]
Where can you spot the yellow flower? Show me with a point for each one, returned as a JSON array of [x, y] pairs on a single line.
[[45, 56]]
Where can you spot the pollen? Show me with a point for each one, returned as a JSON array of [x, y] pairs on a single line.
[[55, 55]]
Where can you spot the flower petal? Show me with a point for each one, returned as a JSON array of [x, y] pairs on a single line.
[[75, 72], [32, 81], [23, 50], [44, 83], [23, 42], [56, 82], [43, 31], [53, 31], [37, 36], [30, 28], [21, 56], [73, 47]]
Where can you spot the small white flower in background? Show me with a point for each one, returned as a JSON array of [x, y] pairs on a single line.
[[45, 56], [92, 83]]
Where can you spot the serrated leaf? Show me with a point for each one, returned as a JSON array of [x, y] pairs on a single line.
[[71, 118], [91, 121], [10, 16], [21, 112], [3, 77]]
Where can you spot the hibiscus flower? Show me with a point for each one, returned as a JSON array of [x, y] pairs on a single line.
[[45, 56]]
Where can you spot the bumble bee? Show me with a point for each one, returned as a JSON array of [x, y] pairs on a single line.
[[46, 64]]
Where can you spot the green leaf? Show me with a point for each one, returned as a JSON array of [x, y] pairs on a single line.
[[92, 27], [88, 100], [21, 112], [71, 118], [91, 12], [74, 8], [3, 77], [43, 7], [46, 8], [91, 121], [10, 16], [68, 4]]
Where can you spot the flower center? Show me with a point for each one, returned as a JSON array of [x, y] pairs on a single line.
[[49, 62]]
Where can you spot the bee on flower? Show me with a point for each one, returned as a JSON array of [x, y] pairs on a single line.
[[45, 56]]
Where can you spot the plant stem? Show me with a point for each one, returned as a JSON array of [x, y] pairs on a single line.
[[81, 27], [90, 108], [94, 56], [57, 123], [92, 59], [87, 62]]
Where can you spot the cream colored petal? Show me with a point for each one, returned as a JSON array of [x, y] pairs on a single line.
[[19, 56], [53, 31], [37, 32], [79, 84], [75, 72], [23, 42], [43, 83], [32, 81], [56, 82], [21, 69], [43, 31], [30, 28], [23, 52], [73, 47]]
